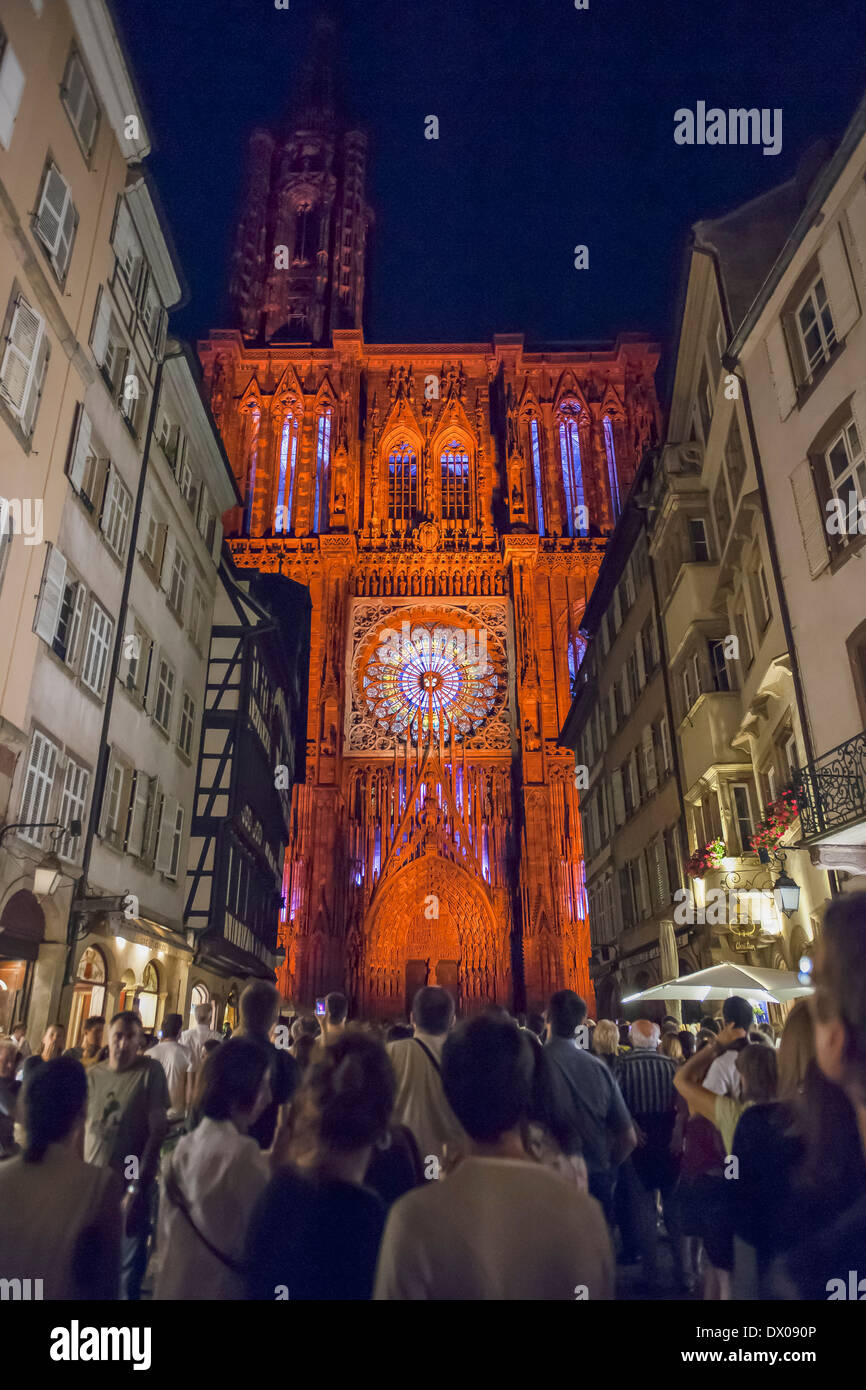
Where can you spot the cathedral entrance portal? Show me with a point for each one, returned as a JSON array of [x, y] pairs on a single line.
[[433, 923]]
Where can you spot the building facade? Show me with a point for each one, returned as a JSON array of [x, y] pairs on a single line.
[[447, 506]]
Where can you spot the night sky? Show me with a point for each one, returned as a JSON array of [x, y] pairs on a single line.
[[556, 128]]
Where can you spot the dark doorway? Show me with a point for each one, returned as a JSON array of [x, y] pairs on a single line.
[[447, 975], [416, 978]]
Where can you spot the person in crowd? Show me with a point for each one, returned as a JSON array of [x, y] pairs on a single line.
[[61, 1220], [587, 1088], [127, 1105], [334, 1019], [669, 1021], [87, 1053], [646, 1076], [9, 1089], [791, 1180], [213, 1179], [687, 1043], [176, 1064], [316, 1230], [305, 1026], [818, 1268], [535, 1023], [724, 1077], [399, 1032], [192, 1040], [670, 1046], [210, 1045], [623, 1035], [260, 1005], [419, 1101], [500, 1226], [709, 1024], [18, 1034], [550, 1134], [769, 1032], [303, 1051], [605, 1041], [51, 1049]]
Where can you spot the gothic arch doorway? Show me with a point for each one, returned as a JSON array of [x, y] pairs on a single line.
[[433, 913]]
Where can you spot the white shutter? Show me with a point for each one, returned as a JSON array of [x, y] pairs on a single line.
[[654, 643], [101, 325], [640, 664], [635, 781], [110, 792], [649, 759], [811, 521], [51, 213], [125, 242], [203, 509], [159, 344], [34, 391], [80, 449], [11, 87], [833, 260], [167, 561], [167, 820], [618, 798], [662, 863], [50, 595], [20, 359], [135, 841], [856, 213], [780, 369], [646, 905], [665, 735]]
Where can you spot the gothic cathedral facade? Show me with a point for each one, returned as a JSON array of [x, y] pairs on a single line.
[[447, 506]]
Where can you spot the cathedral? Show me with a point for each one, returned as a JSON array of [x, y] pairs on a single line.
[[447, 506]]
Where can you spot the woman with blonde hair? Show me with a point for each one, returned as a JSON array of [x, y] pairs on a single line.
[[605, 1041]]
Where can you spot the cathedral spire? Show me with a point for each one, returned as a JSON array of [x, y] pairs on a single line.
[[316, 103]]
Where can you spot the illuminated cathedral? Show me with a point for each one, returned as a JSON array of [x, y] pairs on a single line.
[[446, 505]]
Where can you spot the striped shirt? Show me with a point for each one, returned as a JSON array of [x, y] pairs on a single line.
[[646, 1079]]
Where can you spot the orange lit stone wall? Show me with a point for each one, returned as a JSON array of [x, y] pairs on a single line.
[[474, 882]]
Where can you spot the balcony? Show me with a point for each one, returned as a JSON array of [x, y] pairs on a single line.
[[832, 793]]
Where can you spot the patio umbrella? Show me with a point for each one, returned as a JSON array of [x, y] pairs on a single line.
[[728, 978]]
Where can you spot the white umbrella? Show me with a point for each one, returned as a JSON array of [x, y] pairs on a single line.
[[724, 980]]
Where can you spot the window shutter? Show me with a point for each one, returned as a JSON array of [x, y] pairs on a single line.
[[21, 356], [159, 344], [217, 540], [167, 561], [50, 595], [856, 213], [833, 260], [80, 449], [203, 509], [654, 643], [37, 379], [11, 87], [167, 822], [649, 759], [51, 212], [635, 781], [640, 664], [780, 369], [138, 817], [612, 710], [811, 521], [662, 863], [101, 324], [151, 820], [665, 735], [618, 798], [109, 793], [626, 694]]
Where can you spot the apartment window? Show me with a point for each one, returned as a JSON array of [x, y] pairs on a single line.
[[151, 313], [747, 644], [665, 739], [721, 510], [25, 359], [116, 511], [96, 653], [114, 810], [107, 343], [815, 327], [139, 663], [170, 836], [154, 541], [846, 469], [133, 398], [741, 804], [38, 785], [84, 468], [792, 757], [188, 484], [56, 220], [187, 724], [11, 87], [78, 98], [127, 247], [699, 547], [634, 688], [164, 695], [761, 592], [196, 617], [689, 692], [177, 584], [69, 621], [718, 665], [705, 401], [140, 803], [58, 611], [72, 801], [628, 589]]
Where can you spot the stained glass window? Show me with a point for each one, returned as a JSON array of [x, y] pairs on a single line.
[[536, 473], [455, 482], [323, 470], [255, 415], [432, 672], [402, 483], [288, 459], [572, 474], [611, 466]]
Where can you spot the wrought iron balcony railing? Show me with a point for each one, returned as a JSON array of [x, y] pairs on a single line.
[[832, 790]]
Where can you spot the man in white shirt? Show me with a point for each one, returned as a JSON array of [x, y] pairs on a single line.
[[194, 1039], [175, 1062], [420, 1102], [723, 1078], [500, 1226]]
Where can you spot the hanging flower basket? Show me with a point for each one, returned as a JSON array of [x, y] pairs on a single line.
[[710, 857], [780, 814]]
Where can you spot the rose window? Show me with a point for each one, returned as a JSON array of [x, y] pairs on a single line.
[[445, 674]]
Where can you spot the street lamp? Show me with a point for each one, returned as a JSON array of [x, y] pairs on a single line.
[[46, 879], [787, 894]]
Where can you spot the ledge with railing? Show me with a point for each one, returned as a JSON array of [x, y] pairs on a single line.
[[831, 791]]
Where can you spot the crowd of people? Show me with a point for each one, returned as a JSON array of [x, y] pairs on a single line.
[[490, 1158]]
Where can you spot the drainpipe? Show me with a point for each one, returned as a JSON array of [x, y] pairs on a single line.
[[80, 889]]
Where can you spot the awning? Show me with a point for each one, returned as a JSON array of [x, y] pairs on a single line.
[[727, 979]]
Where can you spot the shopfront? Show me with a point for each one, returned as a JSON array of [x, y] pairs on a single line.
[[22, 929]]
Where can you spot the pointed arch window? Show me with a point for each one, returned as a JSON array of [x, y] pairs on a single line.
[[402, 483], [255, 416], [286, 484], [572, 473], [323, 470], [535, 446], [612, 477], [455, 482]]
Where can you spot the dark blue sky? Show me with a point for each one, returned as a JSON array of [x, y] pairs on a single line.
[[556, 128]]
